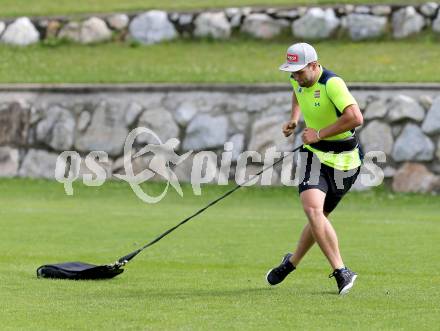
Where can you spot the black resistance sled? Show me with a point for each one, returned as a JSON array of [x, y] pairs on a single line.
[[86, 271]]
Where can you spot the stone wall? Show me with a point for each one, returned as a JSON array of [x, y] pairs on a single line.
[[37, 123], [358, 22]]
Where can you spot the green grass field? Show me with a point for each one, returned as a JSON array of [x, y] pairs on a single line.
[[238, 61], [210, 273], [67, 7]]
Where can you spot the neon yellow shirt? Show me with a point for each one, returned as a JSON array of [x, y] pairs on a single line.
[[321, 105]]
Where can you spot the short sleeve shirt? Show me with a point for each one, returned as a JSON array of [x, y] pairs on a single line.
[[321, 105]]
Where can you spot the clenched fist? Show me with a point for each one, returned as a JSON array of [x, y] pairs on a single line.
[[288, 128], [310, 136]]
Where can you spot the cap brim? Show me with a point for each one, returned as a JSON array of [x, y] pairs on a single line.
[[291, 67]]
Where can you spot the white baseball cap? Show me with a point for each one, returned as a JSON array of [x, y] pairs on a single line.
[[298, 56]]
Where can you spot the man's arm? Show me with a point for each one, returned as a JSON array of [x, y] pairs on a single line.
[[343, 100], [296, 111], [290, 126], [350, 119]]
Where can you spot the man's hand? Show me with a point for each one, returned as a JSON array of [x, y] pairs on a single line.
[[289, 127], [310, 136]]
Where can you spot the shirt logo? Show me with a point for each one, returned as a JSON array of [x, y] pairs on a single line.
[[292, 58], [317, 94], [299, 89], [317, 104]]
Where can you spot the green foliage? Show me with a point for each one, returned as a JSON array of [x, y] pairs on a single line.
[[53, 42], [240, 60], [134, 43], [210, 273], [68, 7]]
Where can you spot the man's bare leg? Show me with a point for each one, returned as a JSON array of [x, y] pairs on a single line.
[[318, 229], [321, 229], [305, 242]]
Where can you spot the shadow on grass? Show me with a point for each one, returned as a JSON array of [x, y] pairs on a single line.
[[181, 293], [207, 293]]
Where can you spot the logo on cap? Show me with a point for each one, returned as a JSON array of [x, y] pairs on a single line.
[[292, 58]]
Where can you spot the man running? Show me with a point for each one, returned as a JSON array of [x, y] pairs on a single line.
[[330, 157]]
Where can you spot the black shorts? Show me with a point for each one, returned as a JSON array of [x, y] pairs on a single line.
[[335, 183]]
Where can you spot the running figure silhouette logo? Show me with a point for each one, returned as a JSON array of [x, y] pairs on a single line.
[[163, 156]]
